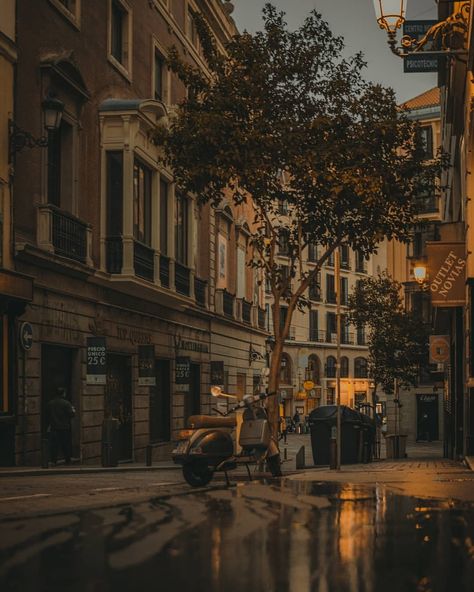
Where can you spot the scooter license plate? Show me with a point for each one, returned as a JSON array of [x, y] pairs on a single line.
[[181, 447]]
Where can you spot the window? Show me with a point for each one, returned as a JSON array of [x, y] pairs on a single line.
[[344, 367], [120, 32], [330, 289], [312, 253], [345, 257], [181, 229], [164, 217], [360, 335], [331, 367], [285, 369], [314, 369], [344, 291], [159, 74], [426, 137], [313, 325], [61, 167], [71, 9], [360, 368], [330, 260], [191, 28], [345, 337], [283, 315], [114, 194], [142, 203], [315, 288], [331, 327], [283, 242], [360, 262]]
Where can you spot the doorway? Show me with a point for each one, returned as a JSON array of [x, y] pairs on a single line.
[[118, 400], [427, 417], [56, 371], [160, 403]]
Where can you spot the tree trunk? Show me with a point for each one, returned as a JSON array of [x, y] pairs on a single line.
[[273, 384]]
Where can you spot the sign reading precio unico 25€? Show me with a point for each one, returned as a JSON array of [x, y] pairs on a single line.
[[446, 273]]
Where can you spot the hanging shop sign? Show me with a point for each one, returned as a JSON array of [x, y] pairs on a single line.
[[146, 365], [26, 336], [96, 361], [417, 62], [439, 349], [182, 374], [446, 273], [217, 373]]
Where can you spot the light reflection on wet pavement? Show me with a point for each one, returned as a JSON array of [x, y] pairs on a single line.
[[300, 537]]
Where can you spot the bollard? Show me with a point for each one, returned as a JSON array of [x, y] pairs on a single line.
[[148, 455], [332, 453], [285, 453], [44, 453], [300, 461]]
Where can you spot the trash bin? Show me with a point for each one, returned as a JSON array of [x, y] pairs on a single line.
[[110, 442], [395, 445], [321, 420], [367, 438]]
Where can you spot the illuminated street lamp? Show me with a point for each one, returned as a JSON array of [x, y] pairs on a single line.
[[419, 273], [447, 36]]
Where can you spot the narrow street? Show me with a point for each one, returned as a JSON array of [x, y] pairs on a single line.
[[392, 525]]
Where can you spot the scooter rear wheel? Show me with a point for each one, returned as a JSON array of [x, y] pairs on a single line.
[[197, 474]]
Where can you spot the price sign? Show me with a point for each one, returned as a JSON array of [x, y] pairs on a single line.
[[182, 374], [96, 361], [146, 365]]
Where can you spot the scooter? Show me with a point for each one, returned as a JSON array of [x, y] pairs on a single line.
[[208, 445]]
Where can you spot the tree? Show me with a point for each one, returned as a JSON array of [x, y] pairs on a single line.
[[397, 340], [282, 117]]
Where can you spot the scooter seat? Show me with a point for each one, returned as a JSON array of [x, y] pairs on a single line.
[[211, 421]]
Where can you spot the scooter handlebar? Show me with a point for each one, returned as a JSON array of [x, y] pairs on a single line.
[[249, 400]]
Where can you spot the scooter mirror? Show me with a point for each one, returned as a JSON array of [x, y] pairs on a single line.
[[216, 391]]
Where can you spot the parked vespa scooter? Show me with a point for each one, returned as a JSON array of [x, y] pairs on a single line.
[[207, 445]]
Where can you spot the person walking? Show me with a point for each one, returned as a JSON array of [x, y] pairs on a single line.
[[60, 414]]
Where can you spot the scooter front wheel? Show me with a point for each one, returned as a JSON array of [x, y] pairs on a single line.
[[197, 474]]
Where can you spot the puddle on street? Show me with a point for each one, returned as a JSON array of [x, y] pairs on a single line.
[[365, 540]]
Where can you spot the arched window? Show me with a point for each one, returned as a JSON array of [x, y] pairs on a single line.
[[331, 367], [285, 369], [360, 368], [344, 367], [314, 369]]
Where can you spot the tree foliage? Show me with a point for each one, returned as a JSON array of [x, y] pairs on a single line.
[[397, 340], [281, 117]]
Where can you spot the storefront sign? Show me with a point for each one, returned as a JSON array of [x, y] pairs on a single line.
[[96, 361], [418, 62], [439, 349], [182, 374], [217, 373], [195, 346], [446, 273], [146, 365]]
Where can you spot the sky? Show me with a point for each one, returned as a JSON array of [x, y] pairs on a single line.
[[355, 21]]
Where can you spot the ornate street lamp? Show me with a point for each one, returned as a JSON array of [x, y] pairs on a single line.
[[447, 37], [18, 138], [419, 273]]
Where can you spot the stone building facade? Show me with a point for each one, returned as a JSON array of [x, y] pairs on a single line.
[[138, 293]]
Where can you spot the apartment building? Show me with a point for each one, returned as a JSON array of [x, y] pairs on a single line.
[[141, 298]]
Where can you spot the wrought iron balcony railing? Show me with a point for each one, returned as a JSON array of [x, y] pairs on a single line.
[[143, 261], [182, 279]]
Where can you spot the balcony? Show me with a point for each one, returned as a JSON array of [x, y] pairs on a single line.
[[143, 261], [347, 338], [182, 279], [317, 336], [200, 290], [246, 311], [262, 317], [164, 271], [228, 300], [64, 234], [361, 339]]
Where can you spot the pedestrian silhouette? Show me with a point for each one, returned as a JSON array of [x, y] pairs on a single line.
[[60, 414]]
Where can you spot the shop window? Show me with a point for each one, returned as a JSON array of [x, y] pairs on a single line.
[[120, 33], [142, 203]]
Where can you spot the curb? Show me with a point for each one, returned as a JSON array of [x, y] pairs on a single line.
[[36, 472]]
